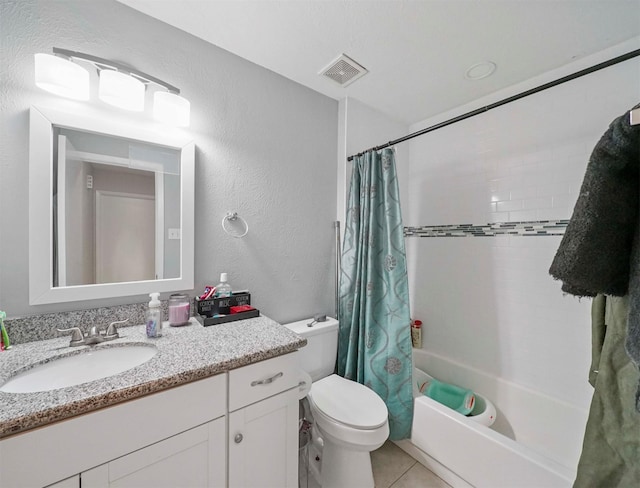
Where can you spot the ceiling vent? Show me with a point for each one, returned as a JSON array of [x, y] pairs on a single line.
[[343, 71]]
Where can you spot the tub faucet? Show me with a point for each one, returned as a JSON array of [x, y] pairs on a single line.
[[94, 336]]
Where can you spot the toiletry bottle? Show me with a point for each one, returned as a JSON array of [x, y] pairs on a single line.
[[223, 289], [416, 333], [154, 316]]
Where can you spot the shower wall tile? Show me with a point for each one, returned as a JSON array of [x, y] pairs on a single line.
[[537, 203], [523, 193], [509, 205], [488, 300], [562, 201]]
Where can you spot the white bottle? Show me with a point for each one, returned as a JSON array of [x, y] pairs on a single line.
[[154, 316], [223, 289], [416, 333]]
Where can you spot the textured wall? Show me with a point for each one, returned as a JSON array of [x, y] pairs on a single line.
[[266, 148]]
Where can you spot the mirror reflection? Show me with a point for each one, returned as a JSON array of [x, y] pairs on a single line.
[[116, 209]]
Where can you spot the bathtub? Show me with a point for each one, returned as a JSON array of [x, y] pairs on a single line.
[[534, 442]]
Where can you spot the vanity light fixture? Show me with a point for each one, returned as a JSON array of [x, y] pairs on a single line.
[[121, 90], [120, 85], [171, 108], [61, 76]]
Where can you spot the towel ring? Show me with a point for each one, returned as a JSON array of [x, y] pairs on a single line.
[[230, 223]]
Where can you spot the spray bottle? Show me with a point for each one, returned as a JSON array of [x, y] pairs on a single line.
[[154, 316]]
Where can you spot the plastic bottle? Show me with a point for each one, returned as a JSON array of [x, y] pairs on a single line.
[[154, 316], [223, 289], [416, 333]]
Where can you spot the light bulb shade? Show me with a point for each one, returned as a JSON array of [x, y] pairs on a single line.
[[171, 109], [121, 90], [61, 77]]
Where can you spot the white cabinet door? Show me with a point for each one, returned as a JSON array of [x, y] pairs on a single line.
[[73, 482], [263, 443], [195, 458]]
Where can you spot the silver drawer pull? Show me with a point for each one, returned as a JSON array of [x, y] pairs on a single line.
[[268, 380], [238, 438]]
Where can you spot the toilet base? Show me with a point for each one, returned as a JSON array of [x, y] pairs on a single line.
[[345, 467]]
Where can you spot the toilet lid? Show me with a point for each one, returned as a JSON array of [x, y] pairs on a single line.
[[348, 402]]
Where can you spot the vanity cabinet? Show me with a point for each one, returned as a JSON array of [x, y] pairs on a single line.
[[263, 424], [189, 435]]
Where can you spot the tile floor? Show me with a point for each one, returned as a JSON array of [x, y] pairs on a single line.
[[394, 468]]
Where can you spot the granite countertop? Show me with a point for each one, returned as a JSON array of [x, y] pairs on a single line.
[[184, 354]]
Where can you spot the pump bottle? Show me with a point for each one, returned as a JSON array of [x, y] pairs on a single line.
[[154, 316]]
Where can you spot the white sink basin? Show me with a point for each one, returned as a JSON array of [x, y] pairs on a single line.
[[91, 365]]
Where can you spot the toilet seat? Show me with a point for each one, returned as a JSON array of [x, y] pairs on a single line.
[[348, 403]]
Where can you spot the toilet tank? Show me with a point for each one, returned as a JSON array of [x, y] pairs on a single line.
[[318, 357]]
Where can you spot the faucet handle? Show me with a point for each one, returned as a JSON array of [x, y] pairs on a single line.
[[112, 332], [77, 337]]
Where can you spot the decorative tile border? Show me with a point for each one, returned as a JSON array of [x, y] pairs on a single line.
[[530, 228]]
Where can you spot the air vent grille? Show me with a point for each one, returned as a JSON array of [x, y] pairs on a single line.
[[344, 70]]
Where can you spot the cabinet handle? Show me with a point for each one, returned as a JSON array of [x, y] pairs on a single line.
[[238, 438], [268, 380]]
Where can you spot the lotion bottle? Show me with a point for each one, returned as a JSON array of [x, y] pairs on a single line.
[[154, 316]]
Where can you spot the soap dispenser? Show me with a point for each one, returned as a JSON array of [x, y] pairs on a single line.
[[154, 316]]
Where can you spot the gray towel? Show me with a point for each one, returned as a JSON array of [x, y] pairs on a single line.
[[600, 252]]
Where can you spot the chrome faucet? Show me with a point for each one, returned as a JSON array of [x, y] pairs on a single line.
[[94, 336]]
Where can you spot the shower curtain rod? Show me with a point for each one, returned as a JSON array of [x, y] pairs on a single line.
[[564, 79]]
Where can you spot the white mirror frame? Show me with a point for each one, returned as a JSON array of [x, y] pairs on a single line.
[[41, 123]]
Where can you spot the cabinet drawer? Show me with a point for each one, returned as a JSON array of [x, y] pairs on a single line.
[[252, 383]]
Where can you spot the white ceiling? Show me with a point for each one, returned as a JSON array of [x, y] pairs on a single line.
[[416, 51]]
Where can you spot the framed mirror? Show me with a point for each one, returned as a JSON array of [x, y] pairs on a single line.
[[111, 208]]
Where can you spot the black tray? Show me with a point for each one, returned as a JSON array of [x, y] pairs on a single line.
[[215, 306], [206, 321]]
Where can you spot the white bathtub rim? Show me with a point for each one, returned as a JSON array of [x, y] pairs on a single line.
[[491, 435], [513, 401], [499, 379], [515, 404], [494, 436]]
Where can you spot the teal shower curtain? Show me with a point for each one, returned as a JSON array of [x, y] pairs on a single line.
[[374, 346]]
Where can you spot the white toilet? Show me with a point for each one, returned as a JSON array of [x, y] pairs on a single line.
[[351, 419]]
